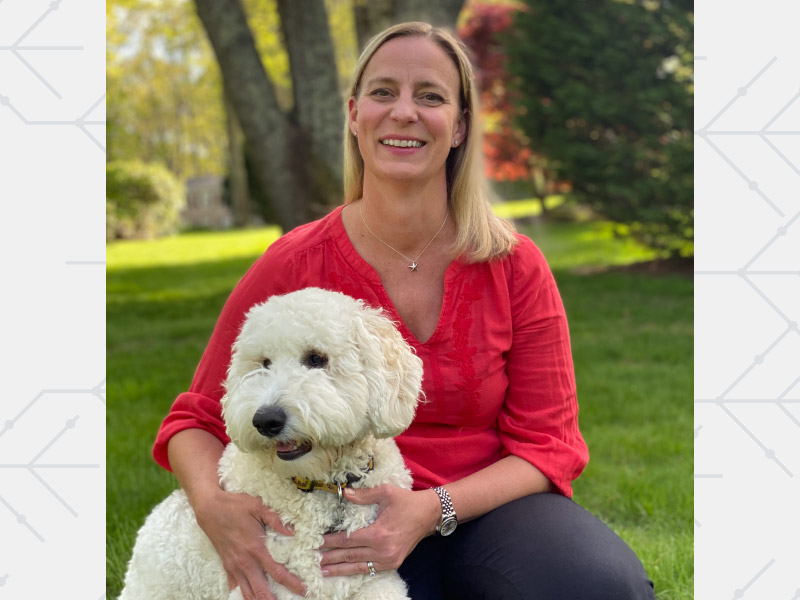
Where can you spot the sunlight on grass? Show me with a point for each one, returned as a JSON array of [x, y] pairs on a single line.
[[519, 209], [571, 246], [190, 248]]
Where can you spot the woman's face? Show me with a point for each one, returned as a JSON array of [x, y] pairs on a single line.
[[407, 114]]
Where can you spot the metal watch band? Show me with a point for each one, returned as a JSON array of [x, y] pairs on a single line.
[[449, 520]]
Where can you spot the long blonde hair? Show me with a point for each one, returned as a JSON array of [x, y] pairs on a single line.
[[481, 235]]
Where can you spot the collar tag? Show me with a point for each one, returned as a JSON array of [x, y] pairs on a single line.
[[307, 485]]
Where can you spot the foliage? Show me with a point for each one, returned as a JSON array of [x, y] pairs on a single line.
[[507, 155], [264, 22], [606, 93], [164, 88], [142, 200]]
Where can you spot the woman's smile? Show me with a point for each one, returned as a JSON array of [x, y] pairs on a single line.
[[400, 145]]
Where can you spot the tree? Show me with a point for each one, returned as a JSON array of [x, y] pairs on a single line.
[[296, 154], [163, 88], [373, 16], [271, 139], [508, 156], [606, 94], [280, 69]]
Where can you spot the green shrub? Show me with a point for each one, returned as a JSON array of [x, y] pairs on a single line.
[[604, 90], [142, 200]]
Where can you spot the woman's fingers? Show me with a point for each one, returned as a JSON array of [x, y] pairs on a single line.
[[283, 576], [273, 521], [235, 525], [353, 568], [404, 518]]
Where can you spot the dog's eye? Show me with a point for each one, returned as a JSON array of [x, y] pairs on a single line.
[[266, 363], [315, 360]]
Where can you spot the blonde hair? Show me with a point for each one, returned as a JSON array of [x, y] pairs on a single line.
[[481, 235]]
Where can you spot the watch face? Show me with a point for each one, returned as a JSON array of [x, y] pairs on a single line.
[[448, 526]]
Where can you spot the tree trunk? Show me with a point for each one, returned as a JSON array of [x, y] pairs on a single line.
[[267, 131], [237, 172], [442, 13], [318, 104], [373, 16]]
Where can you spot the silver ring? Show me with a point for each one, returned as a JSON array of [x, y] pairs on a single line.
[[371, 568]]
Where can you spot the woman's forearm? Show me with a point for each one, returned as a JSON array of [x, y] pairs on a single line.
[[194, 457], [506, 480]]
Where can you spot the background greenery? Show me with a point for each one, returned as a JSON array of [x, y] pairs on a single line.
[[588, 98], [632, 344], [603, 90]]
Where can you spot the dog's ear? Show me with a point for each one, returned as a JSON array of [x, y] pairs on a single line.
[[393, 372]]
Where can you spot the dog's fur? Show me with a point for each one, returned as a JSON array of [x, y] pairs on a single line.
[[346, 408]]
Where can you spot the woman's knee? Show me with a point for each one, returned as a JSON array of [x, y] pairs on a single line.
[[543, 546]]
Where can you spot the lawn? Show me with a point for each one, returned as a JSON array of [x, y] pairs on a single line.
[[631, 341]]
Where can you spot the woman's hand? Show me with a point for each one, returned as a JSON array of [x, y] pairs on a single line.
[[235, 525], [233, 522], [404, 518]]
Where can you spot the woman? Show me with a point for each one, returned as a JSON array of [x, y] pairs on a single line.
[[498, 434]]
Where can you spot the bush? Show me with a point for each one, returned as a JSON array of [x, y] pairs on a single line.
[[142, 200], [604, 90]]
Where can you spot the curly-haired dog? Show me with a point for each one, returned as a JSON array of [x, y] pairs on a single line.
[[317, 387]]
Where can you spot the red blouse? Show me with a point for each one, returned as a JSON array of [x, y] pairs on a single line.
[[498, 374]]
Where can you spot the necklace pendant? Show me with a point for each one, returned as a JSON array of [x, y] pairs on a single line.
[[413, 266]]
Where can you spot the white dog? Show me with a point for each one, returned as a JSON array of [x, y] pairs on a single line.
[[317, 387]]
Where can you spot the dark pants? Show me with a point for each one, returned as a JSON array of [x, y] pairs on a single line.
[[541, 547]]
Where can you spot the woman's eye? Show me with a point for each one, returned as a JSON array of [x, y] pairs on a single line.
[[381, 93], [432, 98]]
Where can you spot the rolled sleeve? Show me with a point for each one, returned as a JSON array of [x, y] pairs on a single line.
[[539, 418]]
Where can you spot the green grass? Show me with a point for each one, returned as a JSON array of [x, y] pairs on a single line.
[[631, 340], [531, 207]]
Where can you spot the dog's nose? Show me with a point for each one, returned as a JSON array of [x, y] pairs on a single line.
[[269, 420]]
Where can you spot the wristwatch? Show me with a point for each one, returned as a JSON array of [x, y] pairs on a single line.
[[449, 521]]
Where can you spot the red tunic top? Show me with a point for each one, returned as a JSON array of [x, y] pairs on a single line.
[[498, 375]]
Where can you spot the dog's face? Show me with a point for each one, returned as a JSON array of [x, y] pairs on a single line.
[[313, 371]]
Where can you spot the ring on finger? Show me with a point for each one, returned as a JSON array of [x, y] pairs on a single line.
[[371, 568]]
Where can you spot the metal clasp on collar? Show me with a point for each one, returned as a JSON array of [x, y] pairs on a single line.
[[339, 492]]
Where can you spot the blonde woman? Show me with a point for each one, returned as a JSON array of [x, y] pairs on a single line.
[[495, 446]]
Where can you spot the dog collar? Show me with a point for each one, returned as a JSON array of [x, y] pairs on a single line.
[[309, 485]]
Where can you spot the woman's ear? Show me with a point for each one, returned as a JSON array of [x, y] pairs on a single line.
[[352, 109], [462, 128]]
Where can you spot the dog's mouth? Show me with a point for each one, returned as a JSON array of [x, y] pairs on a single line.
[[292, 450]]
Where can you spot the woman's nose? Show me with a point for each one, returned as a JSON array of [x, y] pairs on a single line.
[[404, 109]]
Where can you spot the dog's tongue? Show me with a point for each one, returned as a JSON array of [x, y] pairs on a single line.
[[286, 446]]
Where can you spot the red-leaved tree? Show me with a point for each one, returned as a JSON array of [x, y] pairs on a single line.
[[508, 155]]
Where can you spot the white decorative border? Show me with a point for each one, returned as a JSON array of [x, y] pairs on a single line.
[[747, 362], [747, 300], [52, 250]]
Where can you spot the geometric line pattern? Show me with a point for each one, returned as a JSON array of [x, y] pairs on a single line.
[[747, 271], [16, 48], [52, 459], [740, 592], [81, 122], [747, 301], [21, 52], [33, 466]]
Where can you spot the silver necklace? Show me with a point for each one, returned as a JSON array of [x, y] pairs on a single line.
[[414, 264]]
